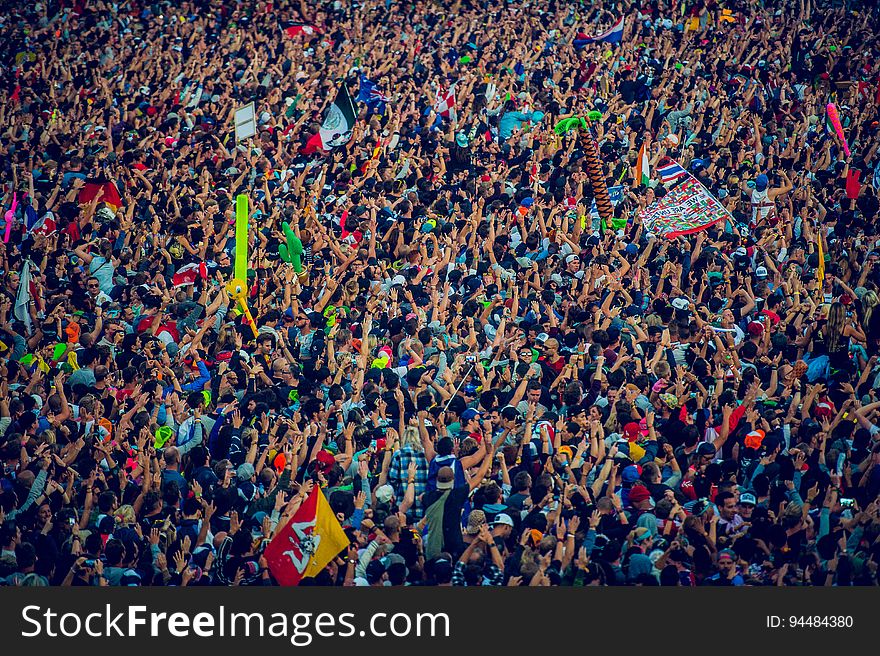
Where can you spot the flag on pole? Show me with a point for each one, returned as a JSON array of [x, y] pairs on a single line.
[[23, 297], [643, 166], [820, 271], [670, 170], [337, 126], [369, 94], [614, 34], [295, 29], [310, 540]]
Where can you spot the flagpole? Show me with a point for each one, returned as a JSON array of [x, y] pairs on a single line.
[[457, 389]]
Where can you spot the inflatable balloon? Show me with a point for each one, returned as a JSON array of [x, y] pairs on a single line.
[[9, 217], [594, 166], [291, 252], [838, 128], [237, 289], [568, 124], [241, 236]]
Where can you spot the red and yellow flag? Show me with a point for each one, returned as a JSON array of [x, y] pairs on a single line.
[[311, 539]]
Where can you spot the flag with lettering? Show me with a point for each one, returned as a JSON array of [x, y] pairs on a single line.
[[310, 540], [687, 209], [615, 195]]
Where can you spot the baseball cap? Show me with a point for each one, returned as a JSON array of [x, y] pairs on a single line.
[[748, 499], [761, 182], [384, 493], [245, 471], [631, 431], [754, 439], [502, 519], [469, 414], [755, 328], [706, 449], [445, 478], [630, 474], [700, 506], [680, 303], [761, 272]]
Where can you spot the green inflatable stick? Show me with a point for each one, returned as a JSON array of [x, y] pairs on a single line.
[[291, 252], [567, 124], [241, 236]]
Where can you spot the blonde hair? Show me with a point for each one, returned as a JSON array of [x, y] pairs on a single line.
[[411, 438], [869, 301]]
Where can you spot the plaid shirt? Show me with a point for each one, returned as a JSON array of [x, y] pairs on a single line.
[[493, 576], [399, 470]]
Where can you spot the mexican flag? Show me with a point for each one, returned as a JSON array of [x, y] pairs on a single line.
[[310, 540], [643, 167], [337, 126]]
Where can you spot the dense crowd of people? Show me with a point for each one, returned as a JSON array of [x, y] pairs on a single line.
[[488, 384]]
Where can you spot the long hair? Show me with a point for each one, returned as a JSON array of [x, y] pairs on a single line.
[[834, 326], [869, 301], [411, 438]]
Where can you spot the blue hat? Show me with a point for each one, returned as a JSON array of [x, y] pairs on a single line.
[[761, 182], [469, 414], [632, 249], [528, 201], [630, 474]]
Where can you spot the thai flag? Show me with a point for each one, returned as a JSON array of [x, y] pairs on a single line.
[[369, 94], [670, 171], [614, 34]]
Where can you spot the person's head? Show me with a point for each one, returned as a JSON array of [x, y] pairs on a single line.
[[521, 483], [746, 506], [533, 391], [726, 502], [93, 286], [470, 420], [640, 498], [172, 458], [726, 561], [115, 552], [704, 454], [445, 478]]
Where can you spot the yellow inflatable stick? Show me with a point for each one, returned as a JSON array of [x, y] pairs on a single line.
[[237, 289]]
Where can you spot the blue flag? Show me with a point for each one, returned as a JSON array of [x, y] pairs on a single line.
[[370, 95]]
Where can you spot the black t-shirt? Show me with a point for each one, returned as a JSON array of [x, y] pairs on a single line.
[[457, 497]]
